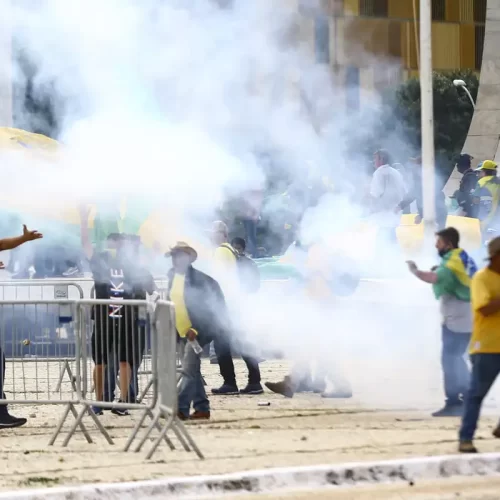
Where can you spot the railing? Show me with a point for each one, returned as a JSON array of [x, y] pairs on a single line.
[[120, 336]]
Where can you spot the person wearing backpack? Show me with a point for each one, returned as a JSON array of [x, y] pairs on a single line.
[[227, 265]]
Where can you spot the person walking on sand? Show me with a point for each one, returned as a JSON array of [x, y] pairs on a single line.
[[201, 316], [451, 283], [484, 346]]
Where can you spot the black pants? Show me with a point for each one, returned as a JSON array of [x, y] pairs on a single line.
[[226, 365], [3, 408]]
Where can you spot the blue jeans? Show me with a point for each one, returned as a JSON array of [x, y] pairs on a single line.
[[110, 375], [192, 389], [485, 369], [455, 371]]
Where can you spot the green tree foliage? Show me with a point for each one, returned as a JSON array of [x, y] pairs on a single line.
[[452, 116]]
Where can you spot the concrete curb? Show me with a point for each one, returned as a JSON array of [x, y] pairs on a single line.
[[274, 480]]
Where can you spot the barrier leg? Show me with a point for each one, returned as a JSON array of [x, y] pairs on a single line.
[[147, 413], [60, 424], [78, 421], [180, 437], [190, 440], [145, 390], [82, 427], [101, 428], [66, 369], [149, 430]]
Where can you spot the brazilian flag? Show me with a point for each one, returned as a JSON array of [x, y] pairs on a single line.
[[454, 275]]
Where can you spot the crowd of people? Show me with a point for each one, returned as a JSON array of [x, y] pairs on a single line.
[[205, 303]]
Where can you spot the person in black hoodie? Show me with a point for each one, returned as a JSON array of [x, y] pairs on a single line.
[[468, 183], [200, 317]]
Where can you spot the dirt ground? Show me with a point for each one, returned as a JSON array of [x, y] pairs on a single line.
[[242, 435]]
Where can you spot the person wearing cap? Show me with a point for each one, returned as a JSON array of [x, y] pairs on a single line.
[[451, 285], [486, 196], [227, 273], [468, 183], [200, 314], [485, 345]]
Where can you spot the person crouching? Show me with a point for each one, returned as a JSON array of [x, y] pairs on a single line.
[[200, 314]]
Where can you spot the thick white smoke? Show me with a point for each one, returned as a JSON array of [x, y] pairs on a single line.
[[167, 102]]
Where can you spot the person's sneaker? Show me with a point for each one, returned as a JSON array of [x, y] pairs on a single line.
[[121, 412], [284, 387], [226, 390], [337, 395], [72, 272], [450, 410], [496, 432], [214, 360], [200, 415], [181, 416], [467, 447], [8, 421], [96, 410], [252, 389]]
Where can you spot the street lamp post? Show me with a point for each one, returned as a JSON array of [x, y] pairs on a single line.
[[462, 84], [428, 158], [6, 106]]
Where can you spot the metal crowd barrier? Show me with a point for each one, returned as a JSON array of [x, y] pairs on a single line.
[[168, 383], [31, 380], [53, 334]]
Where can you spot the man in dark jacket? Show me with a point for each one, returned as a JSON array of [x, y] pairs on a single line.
[[200, 317], [468, 183]]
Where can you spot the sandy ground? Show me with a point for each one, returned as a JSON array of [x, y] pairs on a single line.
[[386, 344], [241, 436]]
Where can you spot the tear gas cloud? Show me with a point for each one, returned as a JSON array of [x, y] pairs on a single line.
[[168, 102]]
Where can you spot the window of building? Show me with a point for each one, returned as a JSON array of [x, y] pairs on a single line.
[[480, 11], [322, 39], [438, 10], [479, 36], [374, 8], [352, 87]]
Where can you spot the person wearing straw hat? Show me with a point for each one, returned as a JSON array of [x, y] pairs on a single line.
[[485, 345], [7, 420], [200, 315]]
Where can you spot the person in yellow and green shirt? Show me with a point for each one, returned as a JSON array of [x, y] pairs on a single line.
[[487, 196], [227, 274], [451, 282], [201, 315], [484, 346]]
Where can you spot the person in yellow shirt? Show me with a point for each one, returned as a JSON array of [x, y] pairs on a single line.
[[484, 346], [201, 316]]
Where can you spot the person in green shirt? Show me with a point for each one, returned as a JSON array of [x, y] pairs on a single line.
[[451, 284]]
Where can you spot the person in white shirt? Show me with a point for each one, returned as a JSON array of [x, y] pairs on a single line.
[[387, 191]]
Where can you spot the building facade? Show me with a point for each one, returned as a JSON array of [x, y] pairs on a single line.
[[372, 44]]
